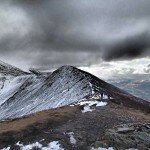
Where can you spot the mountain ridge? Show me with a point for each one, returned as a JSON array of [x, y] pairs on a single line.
[[66, 85], [7, 69], [39, 109]]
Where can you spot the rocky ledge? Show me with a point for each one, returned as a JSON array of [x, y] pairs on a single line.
[[127, 136]]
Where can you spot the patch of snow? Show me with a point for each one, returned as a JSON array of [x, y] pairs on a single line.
[[91, 103], [51, 146], [88, 104], [105, 96], [96, 96], [101, 104], [72, 139], [87, 109], [91, 86], [30, 146], [7, 148], [10, 86], [19, 144]]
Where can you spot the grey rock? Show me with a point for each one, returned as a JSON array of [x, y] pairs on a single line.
[[101, 144], [129, 136]]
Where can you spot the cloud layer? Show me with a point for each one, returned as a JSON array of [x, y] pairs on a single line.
[[53, 33]]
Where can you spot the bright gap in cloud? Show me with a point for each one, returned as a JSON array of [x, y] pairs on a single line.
[[107, 70]]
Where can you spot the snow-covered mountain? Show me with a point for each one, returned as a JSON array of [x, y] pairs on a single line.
[[28, 93], [6, 70]]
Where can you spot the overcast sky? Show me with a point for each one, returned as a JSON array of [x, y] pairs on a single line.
[[52, 33]]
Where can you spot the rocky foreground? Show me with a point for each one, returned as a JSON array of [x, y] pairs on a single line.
[[112, 126]]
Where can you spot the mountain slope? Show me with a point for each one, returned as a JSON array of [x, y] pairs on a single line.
[[119, 96], [30, 93], [6, 69], [65, 86]]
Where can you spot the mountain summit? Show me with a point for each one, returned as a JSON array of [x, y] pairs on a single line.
[[29, 93]]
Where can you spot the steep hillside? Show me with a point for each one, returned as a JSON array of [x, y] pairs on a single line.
[[27, 94], [6, 70]]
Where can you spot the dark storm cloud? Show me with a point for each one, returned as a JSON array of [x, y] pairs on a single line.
[[51, 28], [74, 32], [130, 47]]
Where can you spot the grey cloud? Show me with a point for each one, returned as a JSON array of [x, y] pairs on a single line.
[[128, 70], [130, 47], [76, 33], [68, 58]]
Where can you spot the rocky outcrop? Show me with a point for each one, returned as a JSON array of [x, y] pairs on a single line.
[[127, 136]]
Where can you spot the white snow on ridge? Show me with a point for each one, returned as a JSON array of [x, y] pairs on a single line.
[[53, 146], [87, 105], [10, 87], [91, 103], [105, 96], [87, 109], [91, 86], [30, 146], [101, 104], [6, 148]]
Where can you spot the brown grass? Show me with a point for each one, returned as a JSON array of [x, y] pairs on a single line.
[[54, 116]]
